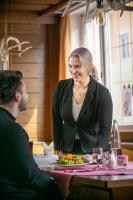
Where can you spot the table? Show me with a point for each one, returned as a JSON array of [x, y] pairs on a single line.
[[87, 185], [117, 187]]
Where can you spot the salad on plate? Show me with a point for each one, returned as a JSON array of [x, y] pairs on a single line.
[[70, 159]]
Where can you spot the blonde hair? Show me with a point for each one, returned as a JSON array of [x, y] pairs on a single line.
[[85, 58], [83, 54], [94, 73]]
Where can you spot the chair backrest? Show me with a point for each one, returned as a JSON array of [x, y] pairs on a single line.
[[38, 148], [42, 147], [127, 143]]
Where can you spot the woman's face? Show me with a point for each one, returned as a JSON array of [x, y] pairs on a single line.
[[78, 72]]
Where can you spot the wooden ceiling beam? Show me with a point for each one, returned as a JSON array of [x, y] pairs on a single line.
[[53, 8], [24, 7]]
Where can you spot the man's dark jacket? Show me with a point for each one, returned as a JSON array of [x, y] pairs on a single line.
[[20, 177]]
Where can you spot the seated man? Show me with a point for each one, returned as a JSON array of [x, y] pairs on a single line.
[[20, 177]]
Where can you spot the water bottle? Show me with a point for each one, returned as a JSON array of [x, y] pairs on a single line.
[[116, 139]]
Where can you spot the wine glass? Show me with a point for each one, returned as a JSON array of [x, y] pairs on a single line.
[[97, 154]]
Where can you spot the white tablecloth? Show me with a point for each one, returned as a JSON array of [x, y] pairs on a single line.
[[44, 160]]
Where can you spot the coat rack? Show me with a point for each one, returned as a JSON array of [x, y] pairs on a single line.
[[6, 49]]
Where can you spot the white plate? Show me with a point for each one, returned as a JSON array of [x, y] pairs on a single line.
[[71, 165]]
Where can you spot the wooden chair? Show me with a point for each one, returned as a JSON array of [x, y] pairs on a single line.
[[127, 144]]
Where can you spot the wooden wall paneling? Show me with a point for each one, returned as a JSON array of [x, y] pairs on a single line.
[[34, 42], [127, 136], [47, 127], [26, 7], [23, 37], [52, 76], [34, 131], [32, 65], [35, 99], [31, 56], [35, 85], [35, 34], [36, 31], [31, 115], [54, 59], [36, 69], [32, 29], [34, 1], [2, 29], [26, 17]]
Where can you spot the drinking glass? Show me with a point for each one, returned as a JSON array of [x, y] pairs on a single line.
[[97, 154], [105, 159]]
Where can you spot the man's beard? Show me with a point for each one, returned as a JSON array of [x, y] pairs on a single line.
[[22, 105]]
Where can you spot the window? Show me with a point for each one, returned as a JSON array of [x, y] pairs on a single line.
[[88, 36], [120, 47], [124, 48], [91, 40]]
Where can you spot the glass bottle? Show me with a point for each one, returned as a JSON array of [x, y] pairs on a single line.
[[115, 139], [111, 159]]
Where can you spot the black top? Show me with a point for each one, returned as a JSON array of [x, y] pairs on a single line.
[[17, 165], [95, 118]]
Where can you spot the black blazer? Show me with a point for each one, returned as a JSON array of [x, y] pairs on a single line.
[[94, 121]]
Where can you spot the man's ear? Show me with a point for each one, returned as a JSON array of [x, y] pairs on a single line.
[[17, 96]]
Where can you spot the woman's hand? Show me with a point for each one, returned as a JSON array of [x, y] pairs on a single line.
[[58, 153]]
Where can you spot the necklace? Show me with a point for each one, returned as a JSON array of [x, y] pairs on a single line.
[[79, 90], [79, 94]]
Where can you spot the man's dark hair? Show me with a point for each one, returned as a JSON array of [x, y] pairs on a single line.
[[10, 83]]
